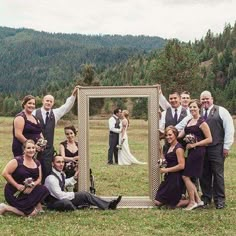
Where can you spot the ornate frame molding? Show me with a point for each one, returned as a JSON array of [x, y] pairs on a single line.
[[151, 92]]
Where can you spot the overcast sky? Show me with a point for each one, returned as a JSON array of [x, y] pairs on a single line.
[[182, 19]]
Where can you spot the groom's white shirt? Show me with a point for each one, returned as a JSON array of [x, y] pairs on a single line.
[[112, 122]]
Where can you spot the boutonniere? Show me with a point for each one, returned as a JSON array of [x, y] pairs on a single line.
[[212, 111]]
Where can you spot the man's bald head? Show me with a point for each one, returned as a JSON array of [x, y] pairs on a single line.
[[48, 102]]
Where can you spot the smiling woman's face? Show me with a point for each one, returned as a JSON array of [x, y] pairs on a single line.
[[69, 134]]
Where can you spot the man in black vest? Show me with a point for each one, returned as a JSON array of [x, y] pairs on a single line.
[[48, 118], [61, 200], [115, 129], [222, 131], [173, 115]]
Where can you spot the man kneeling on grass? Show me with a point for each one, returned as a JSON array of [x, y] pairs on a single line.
[[61, 200]]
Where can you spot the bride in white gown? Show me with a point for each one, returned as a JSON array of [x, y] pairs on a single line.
[[124, 155]]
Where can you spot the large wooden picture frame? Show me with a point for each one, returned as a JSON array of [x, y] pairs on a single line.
[[150, 92]]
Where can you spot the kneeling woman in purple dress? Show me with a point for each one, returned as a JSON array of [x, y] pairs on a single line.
[[23, 191], [171, 188]]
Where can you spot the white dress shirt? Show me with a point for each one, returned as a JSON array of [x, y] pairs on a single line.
[[112, 122], [53, 186], [162, 122], [163, 102], [61, 111]]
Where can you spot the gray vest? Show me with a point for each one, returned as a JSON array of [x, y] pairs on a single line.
[[48, 129], [170, 119], [216, 126]]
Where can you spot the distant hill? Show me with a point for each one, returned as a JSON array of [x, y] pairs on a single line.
[[29, 59]]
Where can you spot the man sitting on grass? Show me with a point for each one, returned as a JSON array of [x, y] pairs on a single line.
[[68, 201]]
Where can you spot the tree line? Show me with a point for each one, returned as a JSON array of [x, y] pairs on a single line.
[[205, 64]]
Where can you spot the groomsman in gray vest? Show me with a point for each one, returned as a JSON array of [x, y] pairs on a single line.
[[48, 118], [222, 131], [62, 200], [115, 129], [172, 115]]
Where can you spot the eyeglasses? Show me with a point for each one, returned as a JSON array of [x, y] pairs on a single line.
[[185, 97]]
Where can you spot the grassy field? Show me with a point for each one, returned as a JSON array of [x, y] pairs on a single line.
[[131, 180]]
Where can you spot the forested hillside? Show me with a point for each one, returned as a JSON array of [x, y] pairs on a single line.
[[29, 59], [60, 61]]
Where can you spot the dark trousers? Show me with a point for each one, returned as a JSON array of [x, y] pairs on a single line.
[[212, 180], [113, 142], [45, 159], [82, 199]]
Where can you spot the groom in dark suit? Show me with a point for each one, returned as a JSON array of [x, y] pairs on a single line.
[[115, 129]]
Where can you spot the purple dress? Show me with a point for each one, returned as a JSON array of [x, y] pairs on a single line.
[[171, 188], [69, 167], [30, 131], [25, 202], [195, 159]]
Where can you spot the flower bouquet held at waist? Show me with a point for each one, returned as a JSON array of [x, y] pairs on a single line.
[[190, 138], [28, 183], [41, 143], [162, 163], [119, 146]]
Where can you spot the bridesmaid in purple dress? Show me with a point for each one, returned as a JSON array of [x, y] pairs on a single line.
[[170, 190], [28, 201], [25, 126], [198, 128], [69, 151]]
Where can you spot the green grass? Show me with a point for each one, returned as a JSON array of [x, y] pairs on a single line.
[[123, 221]]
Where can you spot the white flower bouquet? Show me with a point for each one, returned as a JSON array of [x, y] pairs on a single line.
[[28, 183]]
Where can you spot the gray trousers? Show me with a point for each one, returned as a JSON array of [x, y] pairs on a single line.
[[212, 180], [82, 199], [113, 141], [45, 159]]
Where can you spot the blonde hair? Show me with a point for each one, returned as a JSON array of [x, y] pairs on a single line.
[[126, 115]]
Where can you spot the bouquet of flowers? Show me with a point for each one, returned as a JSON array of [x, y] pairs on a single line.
[[28, 183], [119, 146], [190, 138], [42, 143], [162, 163]]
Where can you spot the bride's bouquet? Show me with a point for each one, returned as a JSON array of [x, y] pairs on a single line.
[[28, 183], [119, 146]]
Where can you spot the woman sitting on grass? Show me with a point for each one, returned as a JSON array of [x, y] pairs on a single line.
[[23, 191]]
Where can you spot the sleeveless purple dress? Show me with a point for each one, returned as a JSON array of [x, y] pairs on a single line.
[[171, 188], [30, 131], [69, 166], [195, 159], [25, 202]]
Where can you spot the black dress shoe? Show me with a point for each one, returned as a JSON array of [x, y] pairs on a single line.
[[220, 206], [113, 204]]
